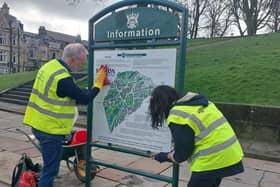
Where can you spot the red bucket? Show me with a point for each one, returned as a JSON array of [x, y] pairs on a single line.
[[79, 137]]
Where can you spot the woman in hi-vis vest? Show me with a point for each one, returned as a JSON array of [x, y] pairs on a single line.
[[201, 135]]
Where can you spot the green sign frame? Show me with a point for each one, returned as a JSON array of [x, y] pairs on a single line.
[[122, 16]]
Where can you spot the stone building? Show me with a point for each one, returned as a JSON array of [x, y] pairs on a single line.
[[12, 51], [25, 51], [45, 45]]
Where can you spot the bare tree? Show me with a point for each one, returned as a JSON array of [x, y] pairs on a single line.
[[196, 9], [218, 17], [274, 21], [254, 13], [236, 11]]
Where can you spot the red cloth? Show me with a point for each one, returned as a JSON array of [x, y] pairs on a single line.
[[106, 80], [27, 179]]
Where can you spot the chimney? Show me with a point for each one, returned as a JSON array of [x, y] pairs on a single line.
[[5, 9], [42, 31], [78, 39]]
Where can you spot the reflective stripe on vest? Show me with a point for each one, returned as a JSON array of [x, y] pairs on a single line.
[[186, 115], [203, 130], [50, 81], [214, 149], [50, 113], [52, 101]]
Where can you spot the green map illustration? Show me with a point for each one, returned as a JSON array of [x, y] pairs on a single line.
[[127, 92]]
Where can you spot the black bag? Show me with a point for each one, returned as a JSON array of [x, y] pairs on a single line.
[[24, 164]]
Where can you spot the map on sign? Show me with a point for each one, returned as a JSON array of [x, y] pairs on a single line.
[[120, 110], [126, 94]]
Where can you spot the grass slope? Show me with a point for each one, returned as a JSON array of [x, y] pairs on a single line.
[[245, 70], [12, 80]]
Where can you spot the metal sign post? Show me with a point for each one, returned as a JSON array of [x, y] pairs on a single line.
[[135, 29]]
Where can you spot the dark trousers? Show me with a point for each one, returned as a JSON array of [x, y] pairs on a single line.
[[211, 182], [51, 147]]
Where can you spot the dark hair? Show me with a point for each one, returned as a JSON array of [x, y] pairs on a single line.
[[161, 101]]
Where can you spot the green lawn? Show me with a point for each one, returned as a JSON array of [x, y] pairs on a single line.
[[246, 70], [12, 80]]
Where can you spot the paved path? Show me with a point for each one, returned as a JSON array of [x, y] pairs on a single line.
[[258, 173]]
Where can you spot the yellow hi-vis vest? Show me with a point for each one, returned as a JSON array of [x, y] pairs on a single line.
[[216, 145], [46, 111]]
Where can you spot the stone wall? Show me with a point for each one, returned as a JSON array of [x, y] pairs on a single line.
[[261, 123]]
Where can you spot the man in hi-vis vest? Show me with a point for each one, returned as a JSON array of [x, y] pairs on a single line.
[[52, 111], [201, 135]]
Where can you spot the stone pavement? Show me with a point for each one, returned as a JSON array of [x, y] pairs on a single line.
[[258, 173]]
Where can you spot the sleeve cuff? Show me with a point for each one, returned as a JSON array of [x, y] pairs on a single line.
[[171, 157]]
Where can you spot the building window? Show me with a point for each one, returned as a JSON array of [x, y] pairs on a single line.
[[2, 39], [31, 53], [14, 59], [44, 55], [14, 41], [3, 56], [3, 70]]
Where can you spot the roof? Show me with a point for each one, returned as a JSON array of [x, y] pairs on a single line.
[[33, 35], [61, 37]]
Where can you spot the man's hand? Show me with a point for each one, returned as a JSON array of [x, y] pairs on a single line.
[[100, 77], [161, 157]]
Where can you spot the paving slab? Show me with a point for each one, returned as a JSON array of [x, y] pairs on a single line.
[[67, 180], [262, 165], [184, 172], [24, 128], [2, 184], [250, 176], [8, 160], [140, 181], [101, 182], [11, 144], [150, 165], [114, 157], [229, 183], [15, 135], [181, 184], [128, 179], [271, 179], [112, 174], [5, 114], [32, 152], [6, 123]]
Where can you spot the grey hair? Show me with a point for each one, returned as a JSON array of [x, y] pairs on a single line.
[[73, 50]]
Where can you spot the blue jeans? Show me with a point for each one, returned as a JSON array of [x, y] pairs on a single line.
[[51, 147]]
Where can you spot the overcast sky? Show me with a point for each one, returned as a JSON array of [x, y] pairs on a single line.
[[56, 15]]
